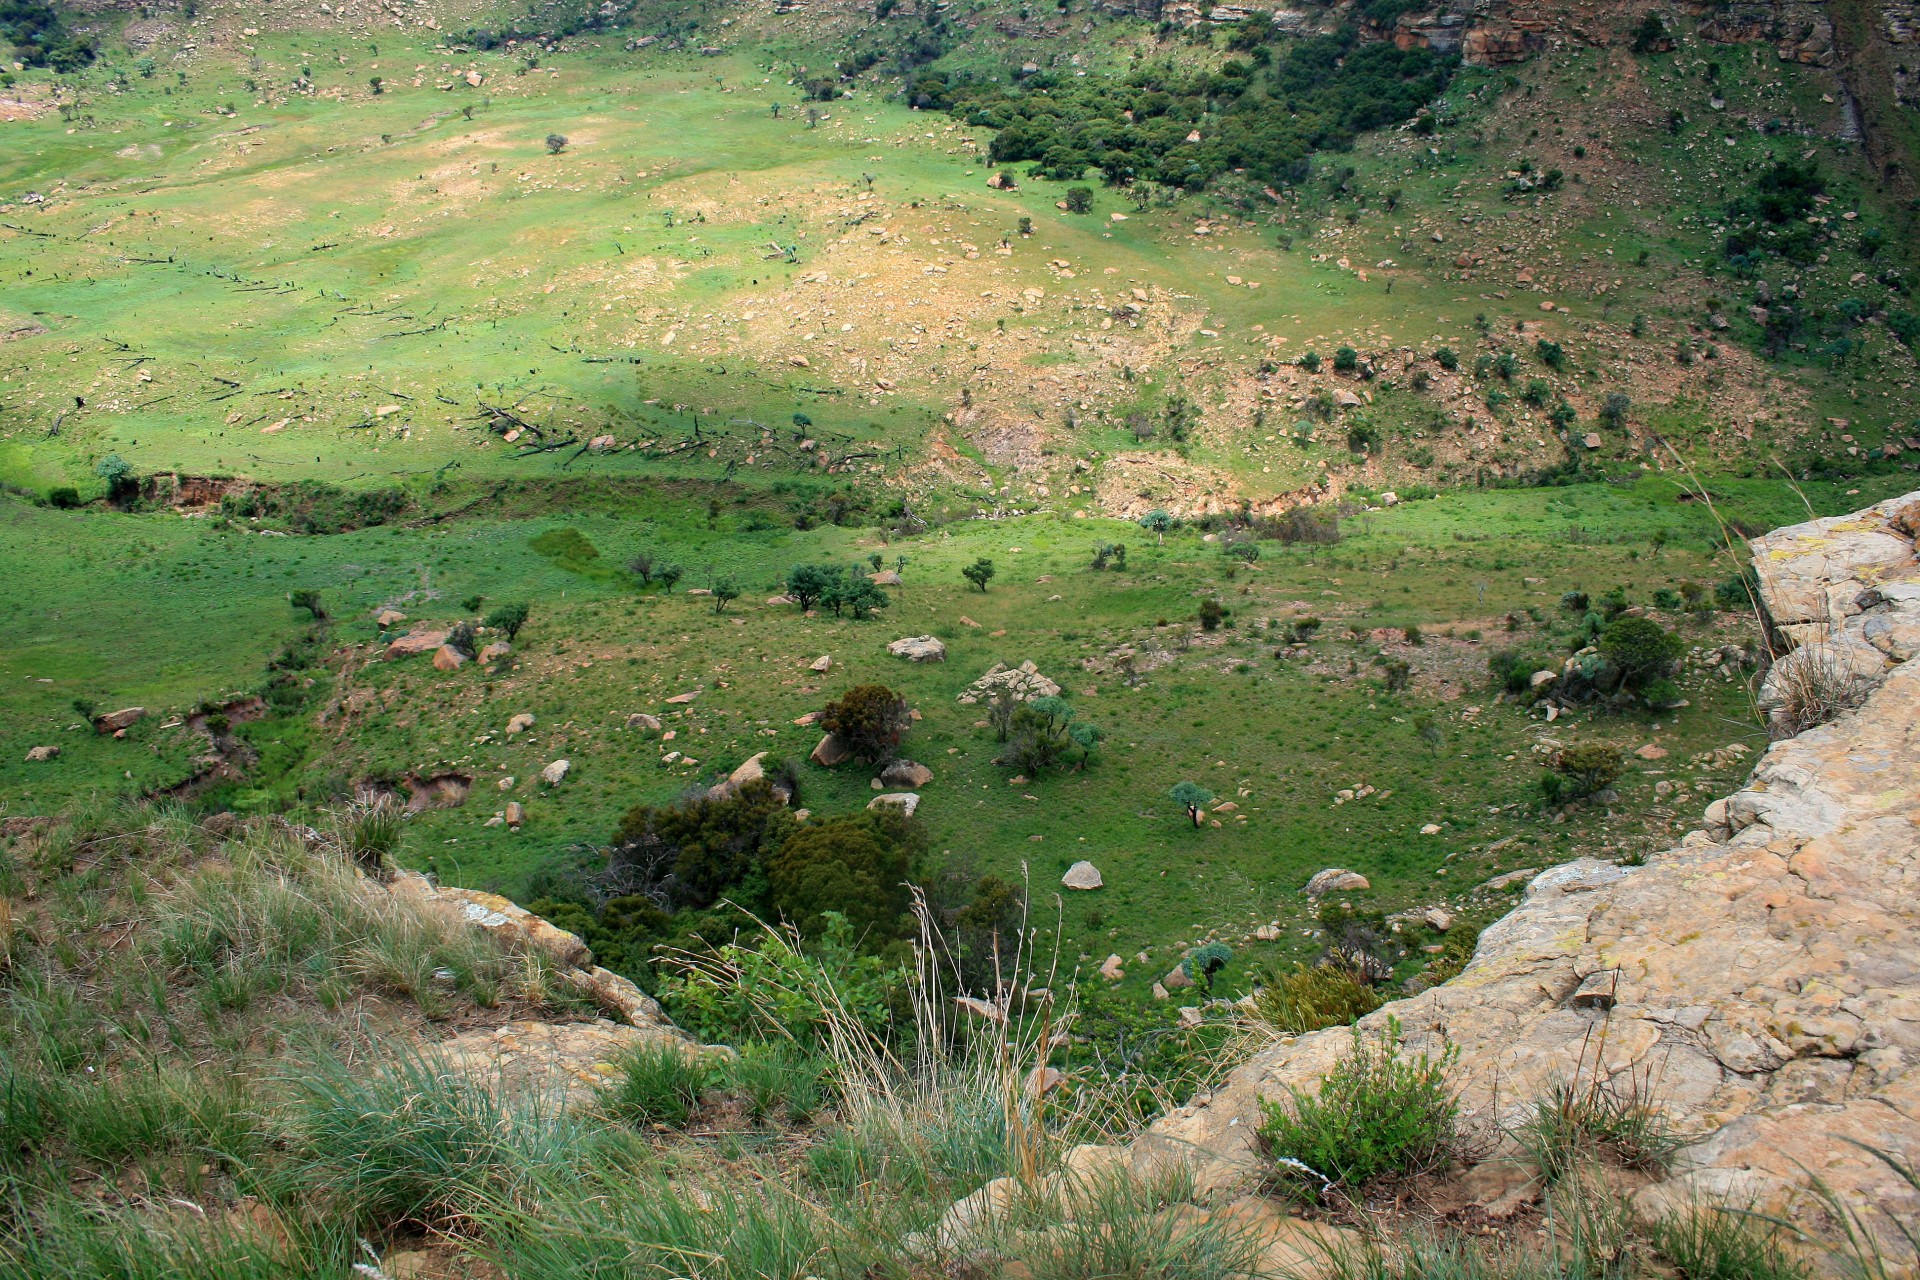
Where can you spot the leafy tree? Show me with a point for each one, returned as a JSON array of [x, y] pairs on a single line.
[[1157, 522], [1581, 771], [308, 599], [668, 575], [641, 567], [122, 482], [1640, 649], [556, 143], [1079, 199], [1086, 736], [1192, 797], [853, 863], [979, 572], [809, 584], [857, 594], [725, 589], [870, 718], [1613, 410], [508, 619]]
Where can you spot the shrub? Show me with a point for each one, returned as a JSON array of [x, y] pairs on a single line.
[[556, 143], [461, 639], [658, 1082], [1346, 360], [853, 863], [1581, 771], [870, 718], [1447, 358], [1310, 361], [1157, 522], [1613, 410], [1741, 591], [1308, 999], [309, 600], [63, 497], [694, 852], [1376, 1113], [1203, 963], [1550, 353], [1640, 649], [1211, 614], [1666, 598], [777, 1079], [1079, 199], [1574, 601]]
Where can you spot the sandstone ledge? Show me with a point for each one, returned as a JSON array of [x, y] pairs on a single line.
[[1764, 974]]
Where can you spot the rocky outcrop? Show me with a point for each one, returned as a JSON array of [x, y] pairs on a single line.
[[1761, 978]]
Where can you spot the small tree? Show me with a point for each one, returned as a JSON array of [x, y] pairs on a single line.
[[508, 619], [460, 638], [1212, 612], [1192, 797], [859, 595], [1157, 522], [979, 573], [1205, 961], [556, 143], [119, 475], [724, 589], [641, 567], [809, 584], [668, 575], [1613, 410], [309, 600], [1079, 199], [870, 718], [1579, 772], [1086, 736], [377, 85]]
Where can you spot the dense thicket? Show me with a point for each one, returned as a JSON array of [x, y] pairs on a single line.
[[40, 38], [1266, 114]]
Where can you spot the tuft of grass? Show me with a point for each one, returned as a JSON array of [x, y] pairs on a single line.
[[777, 1079], [1573, 1123], [1713, 1243], [1375, 1114], [1311, 998], [71, 1239], [414, 1142], [660, 1082], [372, 833], [1114, 1226]]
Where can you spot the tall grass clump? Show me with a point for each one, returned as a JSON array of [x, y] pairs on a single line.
[[1111, 1225], [414, 1141], [1376, 1113], [1308, 999], [1712, 1243], [658, 1082], [1612, 1118], [64, 1238]]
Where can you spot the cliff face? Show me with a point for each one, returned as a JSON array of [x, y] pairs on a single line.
[[1763, 977]]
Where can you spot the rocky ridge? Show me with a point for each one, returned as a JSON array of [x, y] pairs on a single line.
[[1760, 978]]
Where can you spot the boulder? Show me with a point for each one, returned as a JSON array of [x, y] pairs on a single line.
[[904, 801], [641, 720], [1267, 933], [1542, 677], [498, 649], [448, 658], [115, 721], [520, 723], [1335, 880], [822, 664], [885, 578], [390, 618], [1438, 919], [1111, 969], [556, 773], [682, 699], [516, 813], [1159, 991], [919, 649], [37, 754], [1430, 829], [1177, 979], [419, 640], [1082, 875], [831, 750], [905, 774]]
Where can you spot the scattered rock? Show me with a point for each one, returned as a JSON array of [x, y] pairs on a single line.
[[1431, 829], [823, 663], [1024, 682], [554, 774], [1082, 875], [418, 640], [516, 813], [37, 754], [115, 721], [1335, 880], [682, 699], [1112, 969], [390, 618], [1542, 677], [448, 658], [919, 649], [905, 774], [520, 723], [1267, 933], [498, 649], [1651, 752], [1177, 979], [641, 720], [831, 750], [885, 578], [1439, 919], [904, 801], [1159, 991], [1511, 878]]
